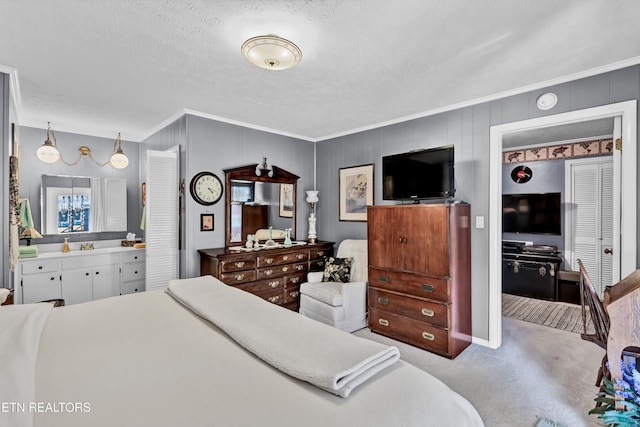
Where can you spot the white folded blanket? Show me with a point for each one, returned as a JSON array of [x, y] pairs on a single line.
[[328, 358], [20, 329]]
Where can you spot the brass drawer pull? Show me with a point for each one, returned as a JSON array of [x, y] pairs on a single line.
[[269, 260], [294, 294], [427, 288], [320, 253], [383, 279], [300, 256], [274, 298], [294, 280], [300, 267], [274, 284], [239, 276], [285, 268], [285, 257], [268, 272], [428, 312], [239, 264], [383, 300], [428, 336], [383, 322]]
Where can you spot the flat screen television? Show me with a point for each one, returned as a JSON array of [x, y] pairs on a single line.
[[416, 175], [535, 213]]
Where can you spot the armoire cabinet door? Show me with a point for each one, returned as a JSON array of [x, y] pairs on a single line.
[[384, 234], [426, 228]]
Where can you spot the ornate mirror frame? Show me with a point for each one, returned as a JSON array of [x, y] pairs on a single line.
[[274, 175]]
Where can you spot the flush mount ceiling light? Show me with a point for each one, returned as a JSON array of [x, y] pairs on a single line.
[[547, 101], [271, 52]]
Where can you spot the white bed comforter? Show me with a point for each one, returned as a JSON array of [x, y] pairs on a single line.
[[326, 357], [146, 360], [20, 330]]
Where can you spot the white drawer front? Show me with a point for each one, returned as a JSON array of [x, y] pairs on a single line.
[[40, 266], [132, 287], [95, 260], [135, 256], [133, 271]]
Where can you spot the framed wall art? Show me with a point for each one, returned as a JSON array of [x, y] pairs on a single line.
[[356, 192], [206, 222], [286, 200]]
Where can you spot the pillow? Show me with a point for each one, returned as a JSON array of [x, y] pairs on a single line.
[[337, 270]]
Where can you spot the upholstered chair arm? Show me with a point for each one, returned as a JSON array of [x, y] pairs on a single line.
[[354, 295], [315, 276]]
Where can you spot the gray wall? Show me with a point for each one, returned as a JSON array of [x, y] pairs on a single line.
[[468, 129], [209, 145], [547, 177], [4, 170], [31, 170]]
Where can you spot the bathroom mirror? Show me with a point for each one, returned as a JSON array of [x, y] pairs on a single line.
[[77, 204], [259, 198]]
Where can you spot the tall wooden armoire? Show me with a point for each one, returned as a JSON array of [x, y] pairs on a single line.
[[420, 275]]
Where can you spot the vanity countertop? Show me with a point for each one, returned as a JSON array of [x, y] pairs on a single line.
[[78, 252]]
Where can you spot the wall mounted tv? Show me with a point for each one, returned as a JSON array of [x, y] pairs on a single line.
[[416, 175], [535, 213]]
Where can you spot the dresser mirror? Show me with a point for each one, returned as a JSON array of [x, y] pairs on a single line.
[[76, 204], [258, 198]]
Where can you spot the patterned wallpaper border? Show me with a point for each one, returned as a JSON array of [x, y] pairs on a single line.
[[596, 147]]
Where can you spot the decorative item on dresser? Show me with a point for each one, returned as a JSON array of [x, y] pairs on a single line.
[[420, 275], [274, 274]]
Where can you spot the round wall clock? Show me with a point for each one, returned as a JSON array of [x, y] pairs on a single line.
[[206, 188], [521, 174]]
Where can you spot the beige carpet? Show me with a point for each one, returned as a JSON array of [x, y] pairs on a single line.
[[537, 372], [558, 315]]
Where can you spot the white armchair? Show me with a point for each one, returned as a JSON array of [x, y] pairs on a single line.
[[341, 305]]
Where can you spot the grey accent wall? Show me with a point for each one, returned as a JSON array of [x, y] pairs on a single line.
[[468, 129], [208, 145], [547, 177], [4, 170], [32, 169]]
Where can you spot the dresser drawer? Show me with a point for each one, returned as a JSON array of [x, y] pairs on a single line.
[[408, 283], [410, 331], [233, 278], [40, 266], [292, 294], [434, 313], [268, 260], [319, 253], [263, 286], [294, 280], [133, 271], [279, 270], [136, 256], [237, 265], [275, 296]]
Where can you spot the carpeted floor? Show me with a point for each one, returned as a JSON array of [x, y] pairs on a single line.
[[558, 315], [538, 372]]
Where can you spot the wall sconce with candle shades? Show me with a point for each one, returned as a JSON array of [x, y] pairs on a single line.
[[48, 152]]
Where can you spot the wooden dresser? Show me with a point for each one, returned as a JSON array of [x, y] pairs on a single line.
[[420, 275], [272, 274]]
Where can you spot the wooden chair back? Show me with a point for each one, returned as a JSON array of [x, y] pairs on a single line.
[[592, 307]]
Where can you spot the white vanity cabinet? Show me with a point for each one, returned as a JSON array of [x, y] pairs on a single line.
[[90, 277], [133, 272], [80, 276], [40, 280]]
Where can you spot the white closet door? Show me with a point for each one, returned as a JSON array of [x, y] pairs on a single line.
[[161, 229], [589, 197]]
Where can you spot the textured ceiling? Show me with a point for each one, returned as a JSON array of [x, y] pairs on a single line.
[[101, 67]]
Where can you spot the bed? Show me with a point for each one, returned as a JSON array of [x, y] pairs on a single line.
[[154, 359]]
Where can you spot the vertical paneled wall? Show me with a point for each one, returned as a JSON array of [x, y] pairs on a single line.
[[214, 146], [4, 170], [32, 169], [468, 130]]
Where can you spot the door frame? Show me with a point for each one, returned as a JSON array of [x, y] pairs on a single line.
[[628, 189]]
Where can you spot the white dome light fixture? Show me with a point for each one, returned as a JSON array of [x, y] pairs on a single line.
[[48, 151], [271, 52], [547, 101]]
